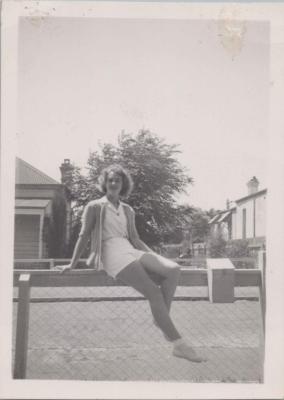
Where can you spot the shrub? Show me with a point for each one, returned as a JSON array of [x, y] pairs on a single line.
[[171, 250], [216, 246], [237, 248]]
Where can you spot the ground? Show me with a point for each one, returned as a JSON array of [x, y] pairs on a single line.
[[116, 340]]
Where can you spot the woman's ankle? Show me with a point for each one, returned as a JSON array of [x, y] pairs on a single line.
[[178, 342]]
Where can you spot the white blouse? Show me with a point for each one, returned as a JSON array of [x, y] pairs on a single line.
[[115, 222]]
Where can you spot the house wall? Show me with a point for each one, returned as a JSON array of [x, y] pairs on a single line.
[[224, 230], [214, 229], [23, 235], [27, 236], [248, 206], [255, 205], [234, 225], [25, 192], [260, 216], [45, 232]]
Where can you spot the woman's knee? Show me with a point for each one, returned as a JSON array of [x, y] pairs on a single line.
[[174, 271], [155, 295], [135, 276], [173, 275], [177, 268]]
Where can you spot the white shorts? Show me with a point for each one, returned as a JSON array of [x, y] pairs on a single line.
[[117, 253]]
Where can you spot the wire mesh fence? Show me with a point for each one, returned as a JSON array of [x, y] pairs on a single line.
[[107, 333]]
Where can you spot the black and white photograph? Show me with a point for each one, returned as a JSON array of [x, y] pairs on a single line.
[[140, 189]]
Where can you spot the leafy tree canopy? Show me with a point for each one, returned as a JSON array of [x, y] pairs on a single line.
[[158, 177]]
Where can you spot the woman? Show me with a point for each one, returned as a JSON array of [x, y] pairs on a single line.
[[117, 248]]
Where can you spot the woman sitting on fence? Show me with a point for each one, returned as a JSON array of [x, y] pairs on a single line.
[[117, 248]]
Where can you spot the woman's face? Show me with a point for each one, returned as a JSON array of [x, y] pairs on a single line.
[[113, 184]]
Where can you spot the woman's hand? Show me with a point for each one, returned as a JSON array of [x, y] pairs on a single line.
[[62, 268]]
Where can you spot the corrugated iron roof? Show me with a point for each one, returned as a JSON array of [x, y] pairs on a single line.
[[224, 216], [221, 216], [214, 219], [26, 174], [31, 203]]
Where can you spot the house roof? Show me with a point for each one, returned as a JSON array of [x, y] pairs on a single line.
[[224, 216], [250, 196], [31, 203], [221, 216], [214, 219], [26, 174]]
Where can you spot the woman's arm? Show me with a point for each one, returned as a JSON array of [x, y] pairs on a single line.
[[78, 250]]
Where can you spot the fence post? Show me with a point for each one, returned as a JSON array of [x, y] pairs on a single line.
[[221, 280], [22, 329], [262, 289], [262, 297]]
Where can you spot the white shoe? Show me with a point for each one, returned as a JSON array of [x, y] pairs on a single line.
[[187, 352]]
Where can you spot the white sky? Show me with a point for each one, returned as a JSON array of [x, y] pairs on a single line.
[[85, 80]]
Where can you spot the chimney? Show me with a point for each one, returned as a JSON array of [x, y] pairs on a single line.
[[252, 185], [66, 169]]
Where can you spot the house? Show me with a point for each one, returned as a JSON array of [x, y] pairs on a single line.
[[245, 219], [198, 248], [190, 247], [42, 213]]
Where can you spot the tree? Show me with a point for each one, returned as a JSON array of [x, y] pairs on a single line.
[[177, 233], [158, 177], [57, 227], [217, 245], [200, 225], [212, 212]]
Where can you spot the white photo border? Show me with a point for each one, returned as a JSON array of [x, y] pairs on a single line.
[[273, 386]]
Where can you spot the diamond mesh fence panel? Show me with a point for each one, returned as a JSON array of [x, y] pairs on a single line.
[[107, 333]]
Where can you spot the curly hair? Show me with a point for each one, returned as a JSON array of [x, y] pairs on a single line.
[[127, 182]]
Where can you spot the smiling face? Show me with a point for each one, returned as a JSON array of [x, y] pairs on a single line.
[[113, 184]]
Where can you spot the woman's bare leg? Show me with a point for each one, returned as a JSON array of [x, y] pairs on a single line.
[[169, 285], [135, 276], [168, 269]]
